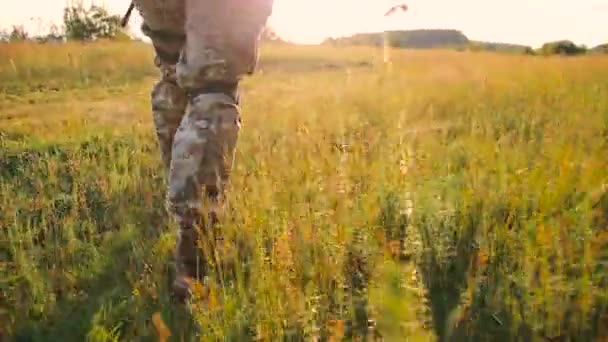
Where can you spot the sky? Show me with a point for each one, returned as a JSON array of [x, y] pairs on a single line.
[[529, 22]]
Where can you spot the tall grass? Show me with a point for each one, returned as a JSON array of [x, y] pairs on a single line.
[[456, 196], [28, 66]]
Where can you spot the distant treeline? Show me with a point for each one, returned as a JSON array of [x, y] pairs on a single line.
[[89, 24], [454, 39]]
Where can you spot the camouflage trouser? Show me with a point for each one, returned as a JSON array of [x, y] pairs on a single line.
[[203, 49]]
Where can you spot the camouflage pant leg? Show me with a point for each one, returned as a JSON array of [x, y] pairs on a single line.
[[218, 42], [164, 25], [221, 40], [168, 108], [220, 48]]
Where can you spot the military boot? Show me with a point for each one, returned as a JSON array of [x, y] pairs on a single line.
[[190, 261]]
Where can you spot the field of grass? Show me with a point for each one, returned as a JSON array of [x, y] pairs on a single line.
[[451, 197]]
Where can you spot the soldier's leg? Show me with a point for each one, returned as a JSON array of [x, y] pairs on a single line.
[[219, 49], [168, 108], [164, 25]]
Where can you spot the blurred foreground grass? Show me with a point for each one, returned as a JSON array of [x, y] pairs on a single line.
[[454, 196]]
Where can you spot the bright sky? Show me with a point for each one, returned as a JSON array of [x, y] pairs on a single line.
[[530, 22]]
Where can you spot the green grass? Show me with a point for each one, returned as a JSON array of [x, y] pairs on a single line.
[[453, 196]]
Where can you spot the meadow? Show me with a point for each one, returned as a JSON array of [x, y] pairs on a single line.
[[450, 196]]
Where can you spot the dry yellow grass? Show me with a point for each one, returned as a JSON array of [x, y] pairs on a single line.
[[503, 158]]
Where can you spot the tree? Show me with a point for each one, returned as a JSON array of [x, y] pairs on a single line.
[[54, 35], [89, 24], [529, 51], [602, 48], [18, 34], [4, 35], [563, 47], [423, 39]]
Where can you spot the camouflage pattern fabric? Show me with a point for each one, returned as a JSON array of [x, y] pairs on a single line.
[[203, 49]]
